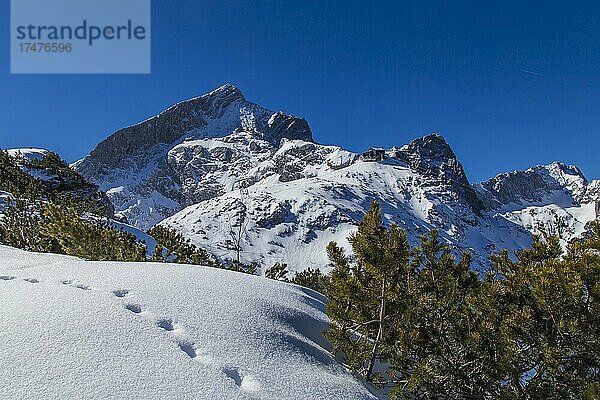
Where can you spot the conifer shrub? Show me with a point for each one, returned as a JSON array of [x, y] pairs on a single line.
[[173, 247], [423, 324]]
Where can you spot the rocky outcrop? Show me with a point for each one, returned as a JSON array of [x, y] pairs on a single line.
[[433, 157], [555, 183], [281, 125]]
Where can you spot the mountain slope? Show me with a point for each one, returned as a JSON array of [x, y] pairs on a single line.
[[553, 199], [105, 330], [292, 221]]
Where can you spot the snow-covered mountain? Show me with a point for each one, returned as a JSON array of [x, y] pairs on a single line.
[[227, 172], [553, 199], [74, 329], [193, 151]]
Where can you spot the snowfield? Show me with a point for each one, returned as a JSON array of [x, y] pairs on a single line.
[[29, 153], [74, 329]]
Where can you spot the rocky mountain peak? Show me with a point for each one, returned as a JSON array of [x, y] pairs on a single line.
[[558, 169], [282, 125], [226, 90], [433, 146], [218, 113], [213, 103], [432, 156], [555, 183]]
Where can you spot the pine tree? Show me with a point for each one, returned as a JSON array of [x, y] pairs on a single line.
[[278, 272], [440, 351], [311, 278], [549, 322], [72, 235], [174, 247], [13, 180], [19, 226], [366, 296], [529, 330]]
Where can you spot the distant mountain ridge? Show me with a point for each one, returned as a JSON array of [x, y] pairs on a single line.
[[216, 161]]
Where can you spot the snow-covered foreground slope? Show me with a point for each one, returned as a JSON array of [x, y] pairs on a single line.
[[105, 330]]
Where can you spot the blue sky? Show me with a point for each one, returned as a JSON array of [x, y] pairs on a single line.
[[509, 84]]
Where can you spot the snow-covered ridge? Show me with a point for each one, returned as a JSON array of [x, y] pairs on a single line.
[[555, 183], [105, 330], [215, 114], [29, 153]]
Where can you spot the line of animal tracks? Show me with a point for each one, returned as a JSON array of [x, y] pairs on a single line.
[[177, 332]]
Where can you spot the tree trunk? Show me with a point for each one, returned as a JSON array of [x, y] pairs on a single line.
[[375, 351]]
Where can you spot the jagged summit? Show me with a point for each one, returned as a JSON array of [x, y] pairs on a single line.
[[218, 113], [227, 89], [433, 157], [566, 169], [555, 183]]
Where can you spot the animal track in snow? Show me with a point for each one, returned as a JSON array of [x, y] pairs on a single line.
[[78, 285], [185, 343], [181, 338], [247, 383], [121, 292], [165, 324], [32, 280], [189, 348], [234, 374], [7, 278], [134, 308]]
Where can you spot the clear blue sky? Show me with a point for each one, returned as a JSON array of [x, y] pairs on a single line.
[[509, 84]]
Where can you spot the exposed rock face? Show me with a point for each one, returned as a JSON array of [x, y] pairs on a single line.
[[432, 156], [189, 118], [281, 125], [592, 192], [540, 185], [164, 128]]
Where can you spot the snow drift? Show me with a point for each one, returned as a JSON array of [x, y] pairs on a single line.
[[104, 330]]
